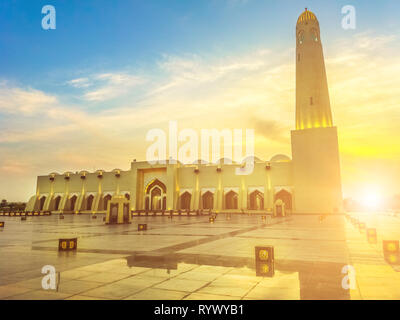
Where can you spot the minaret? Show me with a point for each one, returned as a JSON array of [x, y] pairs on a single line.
[[315, 150], [313, 108]]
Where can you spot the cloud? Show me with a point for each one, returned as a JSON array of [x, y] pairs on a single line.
[[79, 83], [24, 101], [113, 85], [272, 130], [106, 86]]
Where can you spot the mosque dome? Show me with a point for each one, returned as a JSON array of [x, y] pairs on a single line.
[[306, 16], [280, 158]]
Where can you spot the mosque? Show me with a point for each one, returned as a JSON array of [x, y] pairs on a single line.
[[309, 182]]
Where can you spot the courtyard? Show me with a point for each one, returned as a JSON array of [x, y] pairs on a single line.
[[187, 257]]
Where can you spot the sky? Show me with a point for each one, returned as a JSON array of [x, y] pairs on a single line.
[[84, 96]]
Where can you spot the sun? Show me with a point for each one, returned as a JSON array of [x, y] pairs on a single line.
[[371, 199]]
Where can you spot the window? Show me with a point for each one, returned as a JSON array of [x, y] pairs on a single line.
[[300, 37], [314, 35]]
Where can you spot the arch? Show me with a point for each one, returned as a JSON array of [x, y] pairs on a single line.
[[185, 199], [105, 201], [125, 212], [279, 208], [89, 202], [256, 200], [156, 198], [57, 201], [42, 202], [208, 200], [155, 195], [231, 200], [286, 197], [154, 183], [71, 203]]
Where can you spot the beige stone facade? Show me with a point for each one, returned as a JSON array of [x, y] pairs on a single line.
[[169, 187]]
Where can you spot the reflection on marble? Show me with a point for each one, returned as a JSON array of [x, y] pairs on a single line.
[[189, 258]]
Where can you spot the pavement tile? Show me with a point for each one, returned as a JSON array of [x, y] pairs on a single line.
[[157, 294], [11, 290], [111, 291], [104, 277], [181, 285]]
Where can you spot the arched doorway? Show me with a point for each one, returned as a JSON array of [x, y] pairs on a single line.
[[156, 199], [105, 201], [155, 195], [72, 202], [89, 202], [185, 199], [231, 200], [41, 204], [57, 201], [208, 200], [279, 208], [286, 198], [256, 200]]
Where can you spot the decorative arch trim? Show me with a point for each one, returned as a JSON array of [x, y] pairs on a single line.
[[153, 183], [278, 189], [229, 189], [250, 190], [58, 194], [205, 190], [182, 191], [73, 194]]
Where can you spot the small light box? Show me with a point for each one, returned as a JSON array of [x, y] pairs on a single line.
[[371, 235], [142, 227], [67, 244], [391, 251], [1, 224], [265, 261]]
